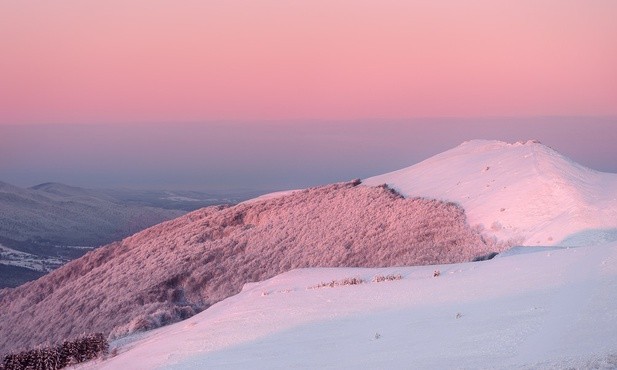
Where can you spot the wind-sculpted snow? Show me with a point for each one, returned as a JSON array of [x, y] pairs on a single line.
[[173, 270]]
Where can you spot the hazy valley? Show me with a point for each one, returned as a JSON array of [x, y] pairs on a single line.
[[47, 225]]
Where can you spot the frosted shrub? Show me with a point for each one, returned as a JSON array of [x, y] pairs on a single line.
[[334, 283], [178, 268], [381, 278]]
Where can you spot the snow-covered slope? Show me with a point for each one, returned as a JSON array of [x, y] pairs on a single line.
[[175, 269], [523, 191], [549, 309]]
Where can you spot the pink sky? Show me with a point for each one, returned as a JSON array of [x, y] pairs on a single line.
[[86, 61]]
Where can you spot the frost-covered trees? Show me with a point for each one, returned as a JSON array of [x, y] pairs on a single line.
[[51, 358], [176, 269]]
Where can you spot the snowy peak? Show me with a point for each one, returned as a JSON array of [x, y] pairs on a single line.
[[525, 191], [530, 155]]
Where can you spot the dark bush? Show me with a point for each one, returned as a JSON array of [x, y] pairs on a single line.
[[65, 354], [333, 283], [485, 257], [382, 278]]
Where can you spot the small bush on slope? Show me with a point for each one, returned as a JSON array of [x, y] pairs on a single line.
[[356, 281], [382, 278], [173, 270], [51, 358], [343, 282]]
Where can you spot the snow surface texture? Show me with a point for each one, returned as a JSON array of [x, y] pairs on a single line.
[[525, 192], [175, 269], [550, 309]]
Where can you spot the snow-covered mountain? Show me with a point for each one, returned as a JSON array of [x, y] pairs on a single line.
[[526, 192], [173, 270], [548, 309], [533, 307]]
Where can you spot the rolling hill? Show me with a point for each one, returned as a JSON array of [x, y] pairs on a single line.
[[173, 270]]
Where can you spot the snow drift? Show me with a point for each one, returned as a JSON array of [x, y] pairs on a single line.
[[544, 310], [525, 192]]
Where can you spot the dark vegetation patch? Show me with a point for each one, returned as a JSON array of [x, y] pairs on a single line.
[[485, 257], [342, 282], [382, 278], [12, 276], [57, 357]]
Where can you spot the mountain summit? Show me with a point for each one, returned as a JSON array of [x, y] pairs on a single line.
[[525, 192]]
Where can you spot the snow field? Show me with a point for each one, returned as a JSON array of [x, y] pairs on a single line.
[[547, 309]]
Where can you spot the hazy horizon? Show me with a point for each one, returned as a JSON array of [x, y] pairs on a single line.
[[271, 155], [292, 94]]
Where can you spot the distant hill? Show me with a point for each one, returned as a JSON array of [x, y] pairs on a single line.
[[46, 225], [173, 270]]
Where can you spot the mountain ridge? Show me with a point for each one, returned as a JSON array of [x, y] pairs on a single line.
[[175, 269]]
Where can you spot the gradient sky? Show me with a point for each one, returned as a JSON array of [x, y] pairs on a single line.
[[84, 61], [275, 94]]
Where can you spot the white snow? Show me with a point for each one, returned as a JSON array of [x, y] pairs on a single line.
[[526, 192], [549, 309]]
